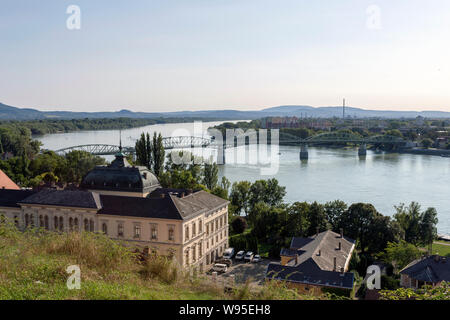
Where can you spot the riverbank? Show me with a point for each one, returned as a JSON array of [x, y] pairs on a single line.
[[429, 152]]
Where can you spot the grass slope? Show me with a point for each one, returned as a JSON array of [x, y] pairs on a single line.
[[33, 266]]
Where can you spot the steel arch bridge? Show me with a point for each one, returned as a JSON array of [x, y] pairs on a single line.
[[168, 143]]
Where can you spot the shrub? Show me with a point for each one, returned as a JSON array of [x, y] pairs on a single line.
[[239, 224]]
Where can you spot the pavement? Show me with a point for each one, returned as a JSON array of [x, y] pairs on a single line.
[[246, 270]]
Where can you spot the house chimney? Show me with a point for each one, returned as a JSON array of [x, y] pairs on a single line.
[[182, 195], [339, 246], [342, 232], [318, 253], [162, 195], [334, 262], [342, 272], [436, 258]]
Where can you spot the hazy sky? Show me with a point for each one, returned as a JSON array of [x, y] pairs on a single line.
[[167, 55]]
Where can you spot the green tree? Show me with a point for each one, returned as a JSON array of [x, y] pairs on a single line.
[[143, 150], [427, 143], [357, 223], [210, 175], [298, 223], [399, 254], [158, 154], [427, 229], [239, 196], [239, 224], [317, 219], [334, 211], [418, 227]]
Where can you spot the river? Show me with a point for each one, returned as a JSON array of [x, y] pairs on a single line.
[[383, 179]]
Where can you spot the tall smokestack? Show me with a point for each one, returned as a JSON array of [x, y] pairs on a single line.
[[343, 109]]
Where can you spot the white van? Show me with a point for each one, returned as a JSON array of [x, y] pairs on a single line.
[[220, 267], [228, 253]]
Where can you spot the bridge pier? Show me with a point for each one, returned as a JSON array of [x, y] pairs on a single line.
[[362, 151], [304, 152]]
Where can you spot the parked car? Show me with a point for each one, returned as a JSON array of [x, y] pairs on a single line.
[[240, 255], [248, 257], [256, 258], [225, 261], [220, 267], [228, 253]]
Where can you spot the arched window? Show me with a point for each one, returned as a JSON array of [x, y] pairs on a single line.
[[31, 220], [46, 222], [75, 222], [70, 224], [41, 221], [16, 221], [61, 223], [27, 220], [104, 228], [91, 225], [55, 223], [86, 225]]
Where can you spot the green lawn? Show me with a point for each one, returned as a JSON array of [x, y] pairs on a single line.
[[441, 249]]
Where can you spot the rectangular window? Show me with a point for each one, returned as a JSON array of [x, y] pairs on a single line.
[[200, 227], [186, 233], [137, 231], [120, 229], [207, 229], [154, 232], [194, 231], [171, 233]]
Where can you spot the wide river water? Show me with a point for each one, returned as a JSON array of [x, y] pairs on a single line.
[[383, 179]]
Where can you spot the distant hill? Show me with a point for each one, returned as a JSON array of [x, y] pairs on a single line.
[[13, 113]]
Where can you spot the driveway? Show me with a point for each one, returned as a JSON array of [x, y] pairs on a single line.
[[243, 271]]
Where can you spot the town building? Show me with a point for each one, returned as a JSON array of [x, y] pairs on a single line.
[[127, 203], [430, 270], [314, 263]]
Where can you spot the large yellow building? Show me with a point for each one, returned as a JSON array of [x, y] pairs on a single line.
[[127, 203]]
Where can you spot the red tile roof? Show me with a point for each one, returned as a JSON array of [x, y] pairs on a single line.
[[6, 182]]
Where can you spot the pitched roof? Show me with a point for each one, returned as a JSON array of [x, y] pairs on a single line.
[[314, 262], [430, 269], [10, 198], [323, 248], [163, 208], [307, 276], [65, 198], [7, 183], [205, 200]]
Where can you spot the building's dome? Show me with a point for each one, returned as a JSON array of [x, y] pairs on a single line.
[[120, 176]]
